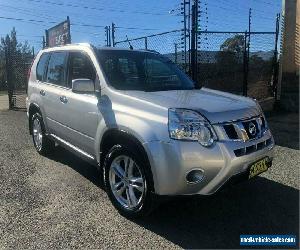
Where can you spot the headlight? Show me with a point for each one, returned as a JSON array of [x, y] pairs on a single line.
[[189, 125], [263, 121]]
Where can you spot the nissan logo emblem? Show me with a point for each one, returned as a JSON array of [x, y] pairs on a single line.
[[252, 129]]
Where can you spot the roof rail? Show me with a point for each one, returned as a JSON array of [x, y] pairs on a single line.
[[70, 44], [152, 50]]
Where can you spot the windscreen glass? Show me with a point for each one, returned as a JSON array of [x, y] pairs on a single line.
[[145, 71]]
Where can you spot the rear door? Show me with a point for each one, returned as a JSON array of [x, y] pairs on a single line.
[[36, 85], [56, 84]]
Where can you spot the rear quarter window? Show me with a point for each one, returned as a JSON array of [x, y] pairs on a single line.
[[41, 67]]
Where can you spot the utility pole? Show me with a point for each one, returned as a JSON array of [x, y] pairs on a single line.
[[113, 30]]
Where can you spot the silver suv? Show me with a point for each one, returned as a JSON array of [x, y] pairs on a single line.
[[144, 124]]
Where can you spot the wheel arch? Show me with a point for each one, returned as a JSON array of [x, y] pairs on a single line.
[[33, 108], [116, 136]]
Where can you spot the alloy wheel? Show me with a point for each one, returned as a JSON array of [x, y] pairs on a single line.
[[37, 133], [127, 183]]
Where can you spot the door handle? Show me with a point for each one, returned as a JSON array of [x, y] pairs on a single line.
[[42, 92], [63, 99]]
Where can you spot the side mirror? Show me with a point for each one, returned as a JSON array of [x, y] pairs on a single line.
[[83, 86]]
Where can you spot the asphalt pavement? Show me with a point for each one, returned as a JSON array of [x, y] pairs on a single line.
[[57, 201]]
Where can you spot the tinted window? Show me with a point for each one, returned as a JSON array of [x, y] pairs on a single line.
[[41, 67], [56, 72], [80, 67], [121, 72], [136, 70], [158, 71]]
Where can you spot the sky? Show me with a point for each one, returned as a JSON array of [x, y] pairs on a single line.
[[133, 18]]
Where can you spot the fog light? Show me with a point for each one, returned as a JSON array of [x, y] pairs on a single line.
[[195, 176]]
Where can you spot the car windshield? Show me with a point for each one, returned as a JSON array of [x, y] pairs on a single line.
[[144, 71]]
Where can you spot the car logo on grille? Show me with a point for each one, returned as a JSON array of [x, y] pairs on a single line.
[[252, 129]]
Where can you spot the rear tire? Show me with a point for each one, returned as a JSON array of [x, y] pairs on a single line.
[[41, 142], [128, 181]]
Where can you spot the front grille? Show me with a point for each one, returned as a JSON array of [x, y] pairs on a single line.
[[231, 132], [253, 148], [245, 130]]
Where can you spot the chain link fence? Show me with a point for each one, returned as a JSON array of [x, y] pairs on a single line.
[[236, 62], [261, 65], [221, 60], [17, 70]]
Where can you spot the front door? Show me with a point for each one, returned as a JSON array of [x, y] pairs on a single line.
[[81, 113]]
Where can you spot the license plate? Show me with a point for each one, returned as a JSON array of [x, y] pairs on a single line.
[[259, 167]]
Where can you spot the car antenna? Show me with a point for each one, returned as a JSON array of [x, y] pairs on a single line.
[[130, 46]]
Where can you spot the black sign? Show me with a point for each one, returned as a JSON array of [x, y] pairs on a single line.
[[59, 34]]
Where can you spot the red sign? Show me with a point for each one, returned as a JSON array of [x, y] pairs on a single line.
[[59, 34]]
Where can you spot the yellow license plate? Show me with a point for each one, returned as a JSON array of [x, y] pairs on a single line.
[[258, 167]]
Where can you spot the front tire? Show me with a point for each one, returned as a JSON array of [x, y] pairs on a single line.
[[41, 142], [128, 182]]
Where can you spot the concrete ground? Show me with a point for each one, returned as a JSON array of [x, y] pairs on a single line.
[[56, 202], [3, 101]]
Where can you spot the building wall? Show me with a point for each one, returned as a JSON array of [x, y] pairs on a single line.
[[289, 78], [297, 53], [289, 36]]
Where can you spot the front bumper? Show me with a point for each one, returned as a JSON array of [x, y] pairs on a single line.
[[172, 161]]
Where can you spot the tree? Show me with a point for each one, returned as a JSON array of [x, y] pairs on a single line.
[[234, 47], [229, 64], [13, 60], [234, 44]]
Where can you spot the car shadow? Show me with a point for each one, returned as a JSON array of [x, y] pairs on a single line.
[[259, 206], [285, 128], [67, 158]]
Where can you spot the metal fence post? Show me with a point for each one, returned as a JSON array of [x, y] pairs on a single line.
[[245, 65], [146, 43], [275, 61], [175, 53], [113, 30], [8, 76]]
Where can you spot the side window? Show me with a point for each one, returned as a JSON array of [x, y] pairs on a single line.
[[81, 66], [41, 67], [56, 72]]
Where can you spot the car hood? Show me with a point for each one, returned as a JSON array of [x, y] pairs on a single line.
[[215, 105]]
